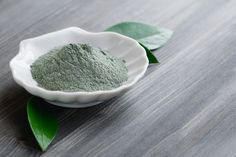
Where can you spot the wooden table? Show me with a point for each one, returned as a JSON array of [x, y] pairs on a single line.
[[183, 107]]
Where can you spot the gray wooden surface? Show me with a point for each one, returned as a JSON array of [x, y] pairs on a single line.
[[183, 107]]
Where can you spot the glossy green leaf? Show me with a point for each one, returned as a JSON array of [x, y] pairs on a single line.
[[150, 36], [152, 59], [42, 122]]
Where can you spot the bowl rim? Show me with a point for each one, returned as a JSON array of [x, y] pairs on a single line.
[[39, 91]]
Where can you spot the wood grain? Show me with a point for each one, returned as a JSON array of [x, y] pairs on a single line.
[[183, 107]]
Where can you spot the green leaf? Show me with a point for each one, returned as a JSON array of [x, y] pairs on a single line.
[[150, 55], [42, 122], [150, 36]]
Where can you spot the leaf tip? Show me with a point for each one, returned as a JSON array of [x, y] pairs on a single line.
[[42, 122]]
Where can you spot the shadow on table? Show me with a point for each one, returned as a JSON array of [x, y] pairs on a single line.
[[13, 112], [14, 100]]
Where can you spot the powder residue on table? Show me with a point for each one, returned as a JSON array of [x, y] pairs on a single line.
[[79, 67]]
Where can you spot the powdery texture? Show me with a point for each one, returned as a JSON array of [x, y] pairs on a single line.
[[79, 67]]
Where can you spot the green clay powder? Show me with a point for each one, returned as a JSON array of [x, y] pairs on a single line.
[[79, 67]]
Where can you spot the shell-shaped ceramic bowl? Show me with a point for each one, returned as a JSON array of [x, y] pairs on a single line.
[[116, 44]]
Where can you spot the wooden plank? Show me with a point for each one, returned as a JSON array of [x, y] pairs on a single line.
[[185, 106]]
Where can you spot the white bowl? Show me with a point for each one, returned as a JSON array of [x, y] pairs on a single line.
[[117, 45]]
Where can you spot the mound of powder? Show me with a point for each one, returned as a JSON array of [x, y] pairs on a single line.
[[79, 67]]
